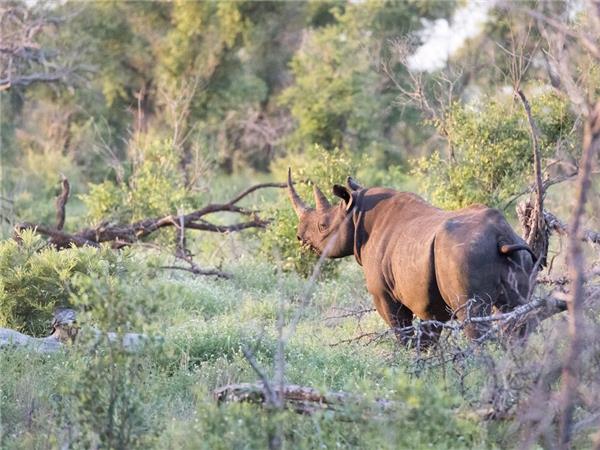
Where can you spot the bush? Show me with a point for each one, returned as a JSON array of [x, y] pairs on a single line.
[[491, 157], [156, 186], [36, 279], [105, 400], [422, 417]]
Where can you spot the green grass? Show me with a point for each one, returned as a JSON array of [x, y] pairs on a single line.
[[205, 323]]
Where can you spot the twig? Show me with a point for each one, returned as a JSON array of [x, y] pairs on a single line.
[[266, 385], [548, 305], [554, 223], [350, 313]]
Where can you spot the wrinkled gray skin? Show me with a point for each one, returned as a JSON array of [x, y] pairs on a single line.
[[419, 260]]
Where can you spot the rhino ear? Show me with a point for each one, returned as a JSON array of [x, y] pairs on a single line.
[[352, 184], [345, 194]]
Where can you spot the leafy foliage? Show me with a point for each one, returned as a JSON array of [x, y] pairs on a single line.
[[35, 280], [340, 96], [105, 399], [156, 186], [490, 150]]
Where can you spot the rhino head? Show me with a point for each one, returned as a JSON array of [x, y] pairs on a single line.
[[326, 229]]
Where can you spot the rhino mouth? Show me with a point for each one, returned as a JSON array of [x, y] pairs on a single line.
[[307, 246]]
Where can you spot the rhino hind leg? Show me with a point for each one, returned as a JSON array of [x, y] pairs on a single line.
[[428, 334], [397, 316], [476, 306]]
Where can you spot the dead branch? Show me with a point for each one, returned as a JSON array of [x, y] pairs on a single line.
[[267, 393], [198, 271], [26, 80], [555, 224], [25, 57], [570, 378], [61, 203], [358, 313], [12, 338], [538, 235], [585, 40], [123, 235], [530, 315], [301, 399], [552, 224], [64, 331]]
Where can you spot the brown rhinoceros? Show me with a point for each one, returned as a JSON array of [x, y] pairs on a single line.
[[420, 260]]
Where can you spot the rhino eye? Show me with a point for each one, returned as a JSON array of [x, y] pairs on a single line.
[[322, 226]]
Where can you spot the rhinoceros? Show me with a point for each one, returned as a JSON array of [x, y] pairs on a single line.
[[420, 260]]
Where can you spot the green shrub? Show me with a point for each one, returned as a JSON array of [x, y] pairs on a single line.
[[422, 416], [490, 144], [156, 186], [36, 279], [105, 398]]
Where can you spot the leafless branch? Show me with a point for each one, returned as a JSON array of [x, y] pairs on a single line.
[[537, 310], [122, 235], [538, 235], [570, 379], [23, 58], [555, 224], [197, 271], [266, 388]]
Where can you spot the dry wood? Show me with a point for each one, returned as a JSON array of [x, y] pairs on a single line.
[[301, 399], [555, 224], [123, 235], [523, 318], [552, 224], [61, 203], [537, 236], [570, 376], [64, 331]]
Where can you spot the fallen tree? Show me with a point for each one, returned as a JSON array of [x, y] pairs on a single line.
[[300, 399], [65, 330], [121, 235]]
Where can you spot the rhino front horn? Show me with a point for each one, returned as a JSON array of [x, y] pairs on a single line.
[[320, 199], [299, 207]]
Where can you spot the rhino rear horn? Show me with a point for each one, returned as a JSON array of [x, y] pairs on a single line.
[[299, 207], [320, 199]]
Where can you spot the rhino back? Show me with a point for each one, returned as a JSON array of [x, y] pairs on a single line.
[[430, 259], [467, 261]]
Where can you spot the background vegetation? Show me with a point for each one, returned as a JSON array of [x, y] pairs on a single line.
[[158, 108]]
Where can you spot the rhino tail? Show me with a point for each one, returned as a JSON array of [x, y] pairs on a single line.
[[507, 249]]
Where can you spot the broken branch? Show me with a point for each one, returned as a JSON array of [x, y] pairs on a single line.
[[61, 202], [123, 235], [301, 399]]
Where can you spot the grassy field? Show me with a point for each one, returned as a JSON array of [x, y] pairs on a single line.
[[98, 395], [164, 397]]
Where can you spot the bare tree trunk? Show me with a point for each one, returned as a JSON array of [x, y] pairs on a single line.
[[61, 203], [570, 381]]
